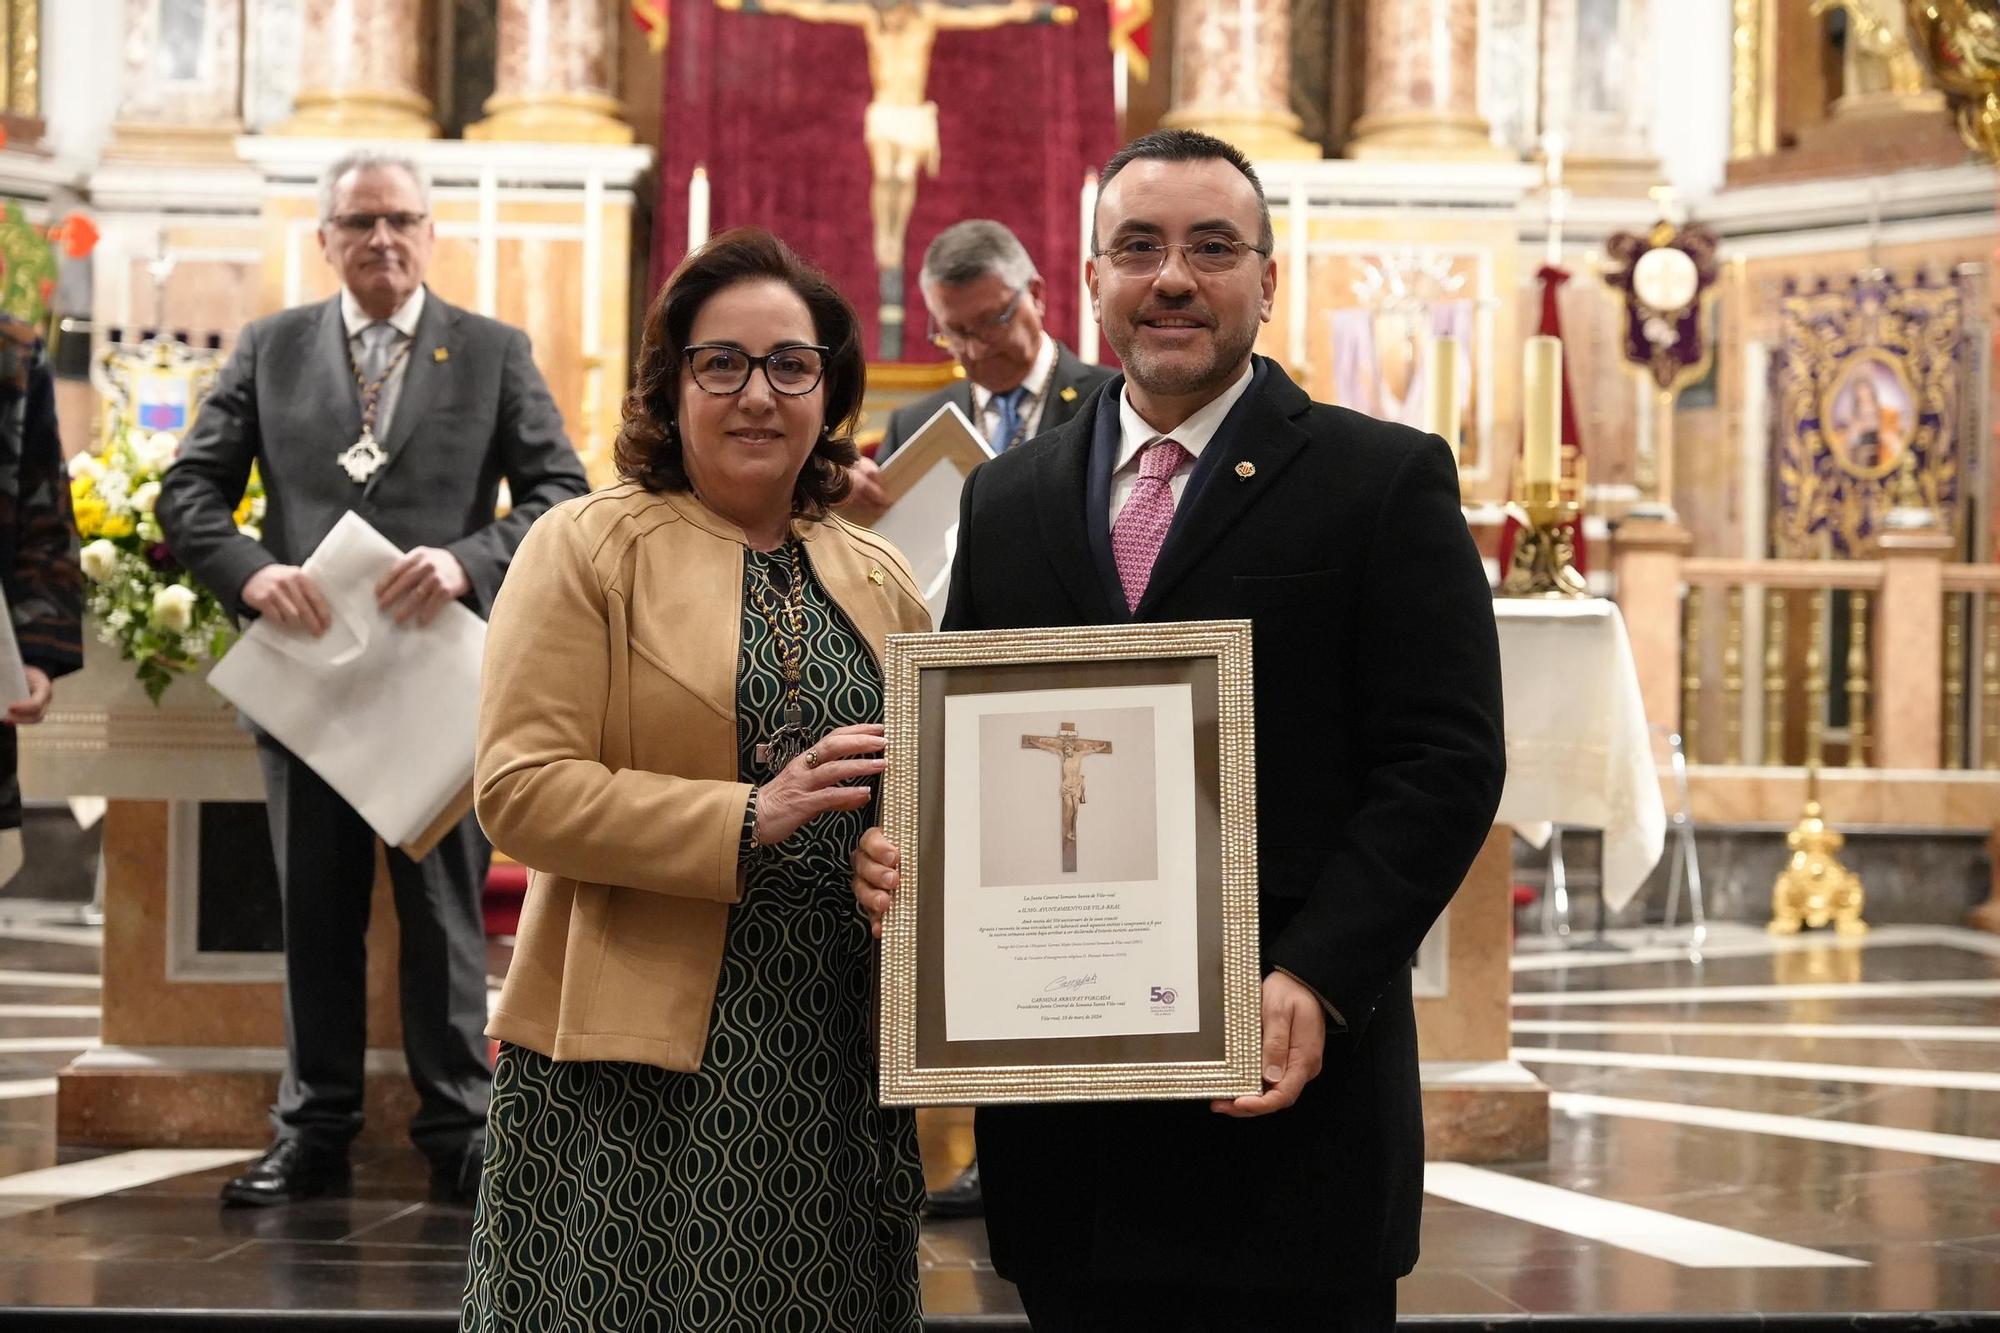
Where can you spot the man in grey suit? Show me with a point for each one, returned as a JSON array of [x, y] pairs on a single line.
[[388, 402], [986, 303]]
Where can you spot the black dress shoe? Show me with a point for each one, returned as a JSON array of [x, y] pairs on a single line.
[[292, 1170], [455, 1179], [961, 1198]]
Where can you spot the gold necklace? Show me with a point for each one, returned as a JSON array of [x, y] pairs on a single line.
[[783, 609]]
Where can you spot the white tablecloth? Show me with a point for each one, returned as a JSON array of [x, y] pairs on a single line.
[[1578, 748]]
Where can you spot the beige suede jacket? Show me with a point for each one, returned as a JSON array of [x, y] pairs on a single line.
[[607, 759]]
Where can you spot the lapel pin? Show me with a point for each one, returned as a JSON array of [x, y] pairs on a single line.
[[1246, 470], [1068, 394], [441, 355], [875, 575]]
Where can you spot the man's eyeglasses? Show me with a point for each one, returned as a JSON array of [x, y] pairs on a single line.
[[721, 369], [985, 331], [1143, 256], [363, 224]]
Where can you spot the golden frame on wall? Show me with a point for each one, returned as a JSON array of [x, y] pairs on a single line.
[[1077, 913]]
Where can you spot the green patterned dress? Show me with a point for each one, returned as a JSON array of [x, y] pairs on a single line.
[[766, 1192]]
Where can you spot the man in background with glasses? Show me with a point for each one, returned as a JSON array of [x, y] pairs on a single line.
[[388, 402], [1206, 485], [985, 302]]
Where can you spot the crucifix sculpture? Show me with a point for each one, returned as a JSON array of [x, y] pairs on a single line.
[[900, 128], [1072, 749]]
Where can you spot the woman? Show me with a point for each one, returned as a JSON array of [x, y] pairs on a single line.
[[679, 727]]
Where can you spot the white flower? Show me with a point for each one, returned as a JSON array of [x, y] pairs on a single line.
[[158, 450], [86, 465], [146, 496], [251, 530], [100, 558], [173, 608]]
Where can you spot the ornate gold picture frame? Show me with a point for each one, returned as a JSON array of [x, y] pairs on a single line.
[[1077, 914]]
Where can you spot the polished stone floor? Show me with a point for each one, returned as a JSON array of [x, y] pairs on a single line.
[[1780, 1129]]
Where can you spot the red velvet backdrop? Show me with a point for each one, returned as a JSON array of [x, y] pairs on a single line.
[[773, 107]]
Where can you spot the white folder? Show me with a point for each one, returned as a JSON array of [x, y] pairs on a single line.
[[923, 480], [387, 714]]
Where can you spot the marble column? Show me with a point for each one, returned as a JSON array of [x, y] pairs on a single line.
[[363, 72], [183, 78], [557, 74], [1232, 76], [1420, 92]]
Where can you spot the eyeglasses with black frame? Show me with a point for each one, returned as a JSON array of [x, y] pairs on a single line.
[[363, 224], [793, 370], [985, 331], [1143, 256]]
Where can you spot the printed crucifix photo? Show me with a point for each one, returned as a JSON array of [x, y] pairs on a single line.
[[1067, 798]]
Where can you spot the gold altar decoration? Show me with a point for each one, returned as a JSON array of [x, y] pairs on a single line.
[[1879, 71], [1870, 386], [1814, 889], [1544, 562], [1958, 41]]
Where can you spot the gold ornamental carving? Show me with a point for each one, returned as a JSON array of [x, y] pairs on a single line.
[[1958, 42], [1879, 71], [1815, 890]]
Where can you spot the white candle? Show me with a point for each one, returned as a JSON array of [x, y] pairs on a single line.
[[1444, 390], [698, 208], [1541, 411]]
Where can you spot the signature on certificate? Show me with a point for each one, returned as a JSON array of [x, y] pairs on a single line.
[[1071, 983]]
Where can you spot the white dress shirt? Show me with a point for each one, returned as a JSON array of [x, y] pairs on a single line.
[[1192, 435], [986, 413], [404, 321]]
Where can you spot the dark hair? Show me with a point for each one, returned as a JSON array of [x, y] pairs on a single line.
[[1188, 146], [648, 450]]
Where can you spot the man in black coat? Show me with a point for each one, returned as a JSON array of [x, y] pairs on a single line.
[[390, 403], [1380, 759], [38, 558], [985, 301]]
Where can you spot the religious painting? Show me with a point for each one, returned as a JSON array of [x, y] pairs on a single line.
[[180, 50], [1871, 382], [183, 62], [1076, 814], [1387, 309], [1596, 86], [1869, 413]]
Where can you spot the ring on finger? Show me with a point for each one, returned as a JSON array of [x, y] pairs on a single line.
[[812, 758]]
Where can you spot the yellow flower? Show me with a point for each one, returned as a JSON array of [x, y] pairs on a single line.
[[118, 525], [79, 487], [243, 511], [90, 513]]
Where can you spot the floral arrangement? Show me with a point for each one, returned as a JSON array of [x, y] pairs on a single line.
[[141, 599]]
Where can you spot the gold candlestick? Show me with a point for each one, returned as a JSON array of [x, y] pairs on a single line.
[[1544, 563]]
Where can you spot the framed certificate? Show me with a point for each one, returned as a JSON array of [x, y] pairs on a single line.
[[922, 481], [1077, 914]]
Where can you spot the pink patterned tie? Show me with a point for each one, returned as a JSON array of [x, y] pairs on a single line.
[[1143, 522]]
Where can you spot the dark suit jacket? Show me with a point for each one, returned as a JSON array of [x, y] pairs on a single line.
[[1379, 765], [287, 402], [38, 547], [1068, 373]]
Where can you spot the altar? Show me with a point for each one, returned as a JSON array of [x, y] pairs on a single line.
[[193, 1025]]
